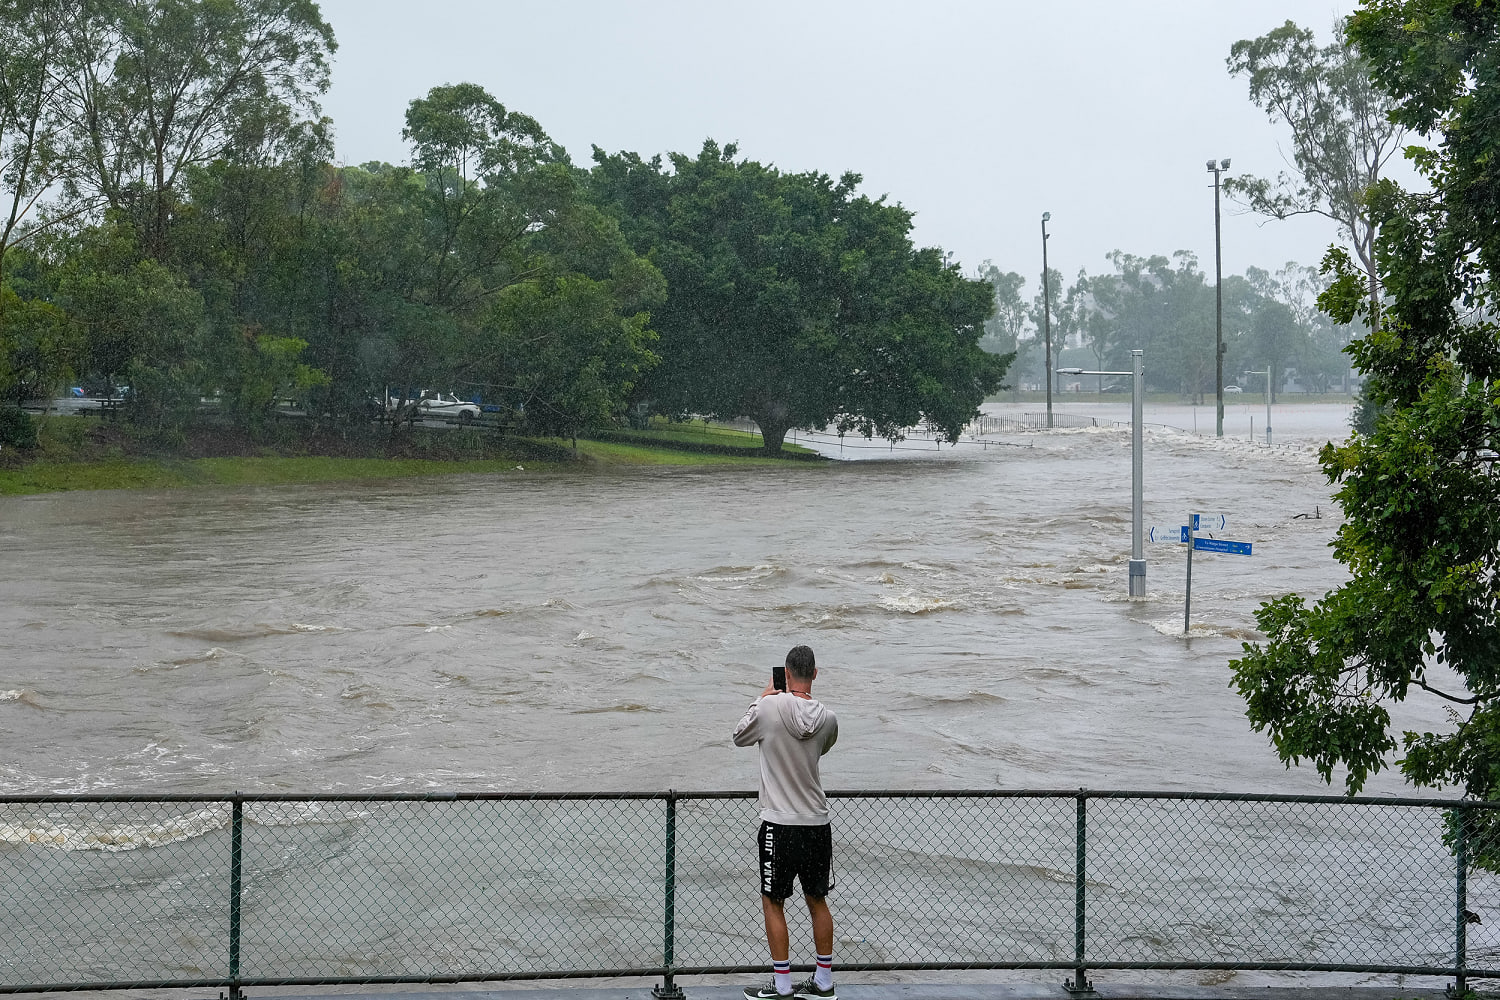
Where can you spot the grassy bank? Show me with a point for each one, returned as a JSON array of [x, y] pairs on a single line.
[[79, 453]]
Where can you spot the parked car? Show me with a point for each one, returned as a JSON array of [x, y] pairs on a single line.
[[1231, 389], [440, 404]]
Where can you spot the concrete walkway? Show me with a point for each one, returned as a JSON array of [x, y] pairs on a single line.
[[1008, 991]]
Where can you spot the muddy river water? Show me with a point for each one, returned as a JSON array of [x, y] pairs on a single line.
[[602, 630]]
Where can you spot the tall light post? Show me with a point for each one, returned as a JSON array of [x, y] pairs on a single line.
[[1137, 477], [1047, 314], [1215, 168]]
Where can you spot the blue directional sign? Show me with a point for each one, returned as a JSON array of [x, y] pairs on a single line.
[[1220, 545]]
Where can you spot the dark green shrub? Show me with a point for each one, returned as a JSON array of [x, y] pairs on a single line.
[[17, 429]]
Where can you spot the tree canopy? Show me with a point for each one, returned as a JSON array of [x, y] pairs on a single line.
[[1342, 132], [1420, 615], [797, 302]]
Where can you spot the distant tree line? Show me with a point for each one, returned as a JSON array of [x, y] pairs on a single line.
[[1166, 307], [1343, 130], [171, 220]]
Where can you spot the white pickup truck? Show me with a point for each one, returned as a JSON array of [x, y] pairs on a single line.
[[437, 404]]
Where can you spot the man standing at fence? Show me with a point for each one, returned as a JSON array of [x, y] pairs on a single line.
[[794, 731]]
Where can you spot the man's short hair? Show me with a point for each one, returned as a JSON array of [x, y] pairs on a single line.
[[800, 663]]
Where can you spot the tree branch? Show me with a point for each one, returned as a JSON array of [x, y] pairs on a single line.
[[1474, 700]]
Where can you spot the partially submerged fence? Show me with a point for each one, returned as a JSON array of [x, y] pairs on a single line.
[[116, 892]]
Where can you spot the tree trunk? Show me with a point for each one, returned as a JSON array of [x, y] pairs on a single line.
[[774, 421], [771, 435]]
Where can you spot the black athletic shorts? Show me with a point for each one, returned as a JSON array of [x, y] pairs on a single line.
[[801, 852]]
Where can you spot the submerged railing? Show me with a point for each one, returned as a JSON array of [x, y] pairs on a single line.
[[190, 891]]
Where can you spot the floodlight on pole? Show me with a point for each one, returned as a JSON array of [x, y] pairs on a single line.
[[1047, 314], [1216, 168]]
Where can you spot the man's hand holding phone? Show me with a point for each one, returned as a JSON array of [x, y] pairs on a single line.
[[778, 682]]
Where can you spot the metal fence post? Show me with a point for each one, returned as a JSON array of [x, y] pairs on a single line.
[[1080, 983], [1461, 907], [668, 990], [236, 884]]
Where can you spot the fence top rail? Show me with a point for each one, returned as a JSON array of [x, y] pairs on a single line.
[[672, 795]]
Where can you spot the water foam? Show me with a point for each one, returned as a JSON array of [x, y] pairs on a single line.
[[303, 813], [914, 604], [1196, 630], [740, 574], [116, 836]]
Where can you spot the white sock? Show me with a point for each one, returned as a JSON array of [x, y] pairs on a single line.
[[781, 974], [823, 978]]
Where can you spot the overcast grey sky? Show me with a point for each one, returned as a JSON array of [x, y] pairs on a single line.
[[978, 116]]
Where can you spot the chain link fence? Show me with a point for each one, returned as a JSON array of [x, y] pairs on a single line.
[[116, 892]]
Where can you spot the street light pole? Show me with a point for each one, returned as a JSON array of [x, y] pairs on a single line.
[[1047, 315], [1215, 169], [1137, 477]]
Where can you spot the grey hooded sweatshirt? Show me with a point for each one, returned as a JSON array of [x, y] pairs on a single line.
[[793, 734]]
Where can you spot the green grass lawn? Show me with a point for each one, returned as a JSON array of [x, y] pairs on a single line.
[[698, 432], [69, 460]]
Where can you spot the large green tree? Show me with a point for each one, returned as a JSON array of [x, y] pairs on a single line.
[[38, 347], [543, 304], [796, 302], [1420, 615], [142, 323]]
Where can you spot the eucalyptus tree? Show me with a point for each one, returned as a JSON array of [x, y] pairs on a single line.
[[1008, 331], [33, 48], [1088, 317], [1005, 330], [152, 88], [1343, 134], [36, 346]]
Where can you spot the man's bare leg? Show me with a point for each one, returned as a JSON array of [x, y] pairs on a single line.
[[822, 924], [776, 932]]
